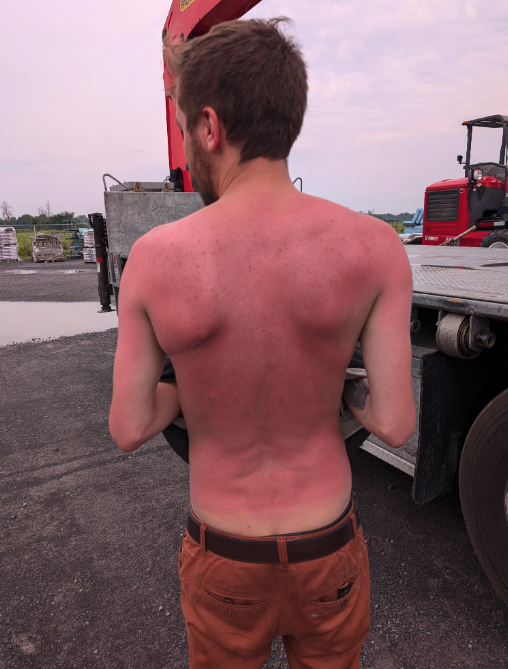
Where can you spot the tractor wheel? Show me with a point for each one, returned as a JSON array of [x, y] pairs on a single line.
[[484, 490], [496, 240]]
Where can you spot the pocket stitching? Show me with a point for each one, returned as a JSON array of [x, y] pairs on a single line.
[[237, 607]]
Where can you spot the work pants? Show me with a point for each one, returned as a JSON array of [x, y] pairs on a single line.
[[234, 610]]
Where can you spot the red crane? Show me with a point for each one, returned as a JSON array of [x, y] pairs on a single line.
[[187, 19]]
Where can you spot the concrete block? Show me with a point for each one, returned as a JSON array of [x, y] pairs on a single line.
[[130, 215]]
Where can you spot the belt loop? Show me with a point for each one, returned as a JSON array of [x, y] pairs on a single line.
[[202, 538], [283, 553]]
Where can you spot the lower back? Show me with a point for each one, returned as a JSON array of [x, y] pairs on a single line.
[[269, 488], [266, 450]]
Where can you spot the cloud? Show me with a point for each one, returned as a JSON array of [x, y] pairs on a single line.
[[390, 84]]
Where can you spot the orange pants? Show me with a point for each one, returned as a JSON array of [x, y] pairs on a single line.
[[233, 610]]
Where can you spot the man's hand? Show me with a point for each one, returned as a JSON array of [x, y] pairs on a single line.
[[141, 407]]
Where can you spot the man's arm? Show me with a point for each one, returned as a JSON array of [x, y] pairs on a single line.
[[141, 406], [384, 403]]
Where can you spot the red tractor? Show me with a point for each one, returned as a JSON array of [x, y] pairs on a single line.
[[472, 211]]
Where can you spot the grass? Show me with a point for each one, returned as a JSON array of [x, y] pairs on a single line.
[[398, 226], [24, 243]]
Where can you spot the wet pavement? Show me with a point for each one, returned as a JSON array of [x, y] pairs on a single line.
[[26, 281], [24, 321], [89, 536], [47, 271]]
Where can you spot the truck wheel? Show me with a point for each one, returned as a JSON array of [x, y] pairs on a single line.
[[484, 490], [354, 442], [496, 240]]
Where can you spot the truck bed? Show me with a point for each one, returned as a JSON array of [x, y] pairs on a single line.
[[464, 280]]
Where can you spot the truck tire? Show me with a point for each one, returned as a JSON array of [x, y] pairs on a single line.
[[483, 484], [496, 240], [354, 442]]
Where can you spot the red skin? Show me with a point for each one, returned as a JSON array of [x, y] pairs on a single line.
[[259, 300]]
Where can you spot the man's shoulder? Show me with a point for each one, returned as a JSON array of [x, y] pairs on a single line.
[[366, 245], [175, 230], [172, 238], [355, 225]]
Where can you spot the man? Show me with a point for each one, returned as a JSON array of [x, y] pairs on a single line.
[[259, 300]]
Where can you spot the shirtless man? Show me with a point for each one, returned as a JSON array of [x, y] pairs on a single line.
[[259, 300]]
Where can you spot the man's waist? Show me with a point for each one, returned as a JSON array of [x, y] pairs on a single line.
[[300, 547]]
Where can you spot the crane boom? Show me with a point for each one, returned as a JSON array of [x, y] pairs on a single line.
[[187, 19]]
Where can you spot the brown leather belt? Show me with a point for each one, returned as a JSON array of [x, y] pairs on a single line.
[[251, 550]]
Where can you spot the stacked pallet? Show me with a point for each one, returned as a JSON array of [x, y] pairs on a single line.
[[89, 246], [8, 244], [46, 248]]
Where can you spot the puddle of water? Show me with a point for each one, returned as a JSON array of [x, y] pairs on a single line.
[[20, 271], [48, 271], [23, 321]]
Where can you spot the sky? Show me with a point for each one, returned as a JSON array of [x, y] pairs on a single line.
[[390, 84]]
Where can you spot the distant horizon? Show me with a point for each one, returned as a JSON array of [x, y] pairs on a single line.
[[371, 212]]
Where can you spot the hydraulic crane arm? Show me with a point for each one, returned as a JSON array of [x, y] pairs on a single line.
[[191, 18]]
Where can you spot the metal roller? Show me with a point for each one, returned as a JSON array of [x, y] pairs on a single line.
[[452, 336]]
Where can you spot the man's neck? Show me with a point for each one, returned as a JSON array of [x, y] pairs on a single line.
[[255, 174]]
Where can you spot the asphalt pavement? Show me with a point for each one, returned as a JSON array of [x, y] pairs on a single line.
[[89, 535], [48, 283]]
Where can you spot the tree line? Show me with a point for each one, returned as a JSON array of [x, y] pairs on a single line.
[[45, 216], [390, 218]]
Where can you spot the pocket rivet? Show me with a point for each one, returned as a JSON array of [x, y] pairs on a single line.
[[343, 605], [228, 601]]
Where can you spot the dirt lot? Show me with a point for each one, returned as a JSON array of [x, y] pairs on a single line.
[[89, 534], [49, 282]]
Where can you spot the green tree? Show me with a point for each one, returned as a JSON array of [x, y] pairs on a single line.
[[62, 216], [24, 221]]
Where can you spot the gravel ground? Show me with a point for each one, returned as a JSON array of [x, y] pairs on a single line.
[[89, 536], [49, 284]]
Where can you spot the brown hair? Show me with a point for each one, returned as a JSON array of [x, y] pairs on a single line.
[[253, 76]]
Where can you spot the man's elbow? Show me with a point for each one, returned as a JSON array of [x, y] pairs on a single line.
[[397, 440], [126, 441], [127, 444], [398, 434]]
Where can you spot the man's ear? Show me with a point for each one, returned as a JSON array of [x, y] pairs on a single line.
[[212, 129]]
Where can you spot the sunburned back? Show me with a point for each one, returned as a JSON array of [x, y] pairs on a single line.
[[260, 314]]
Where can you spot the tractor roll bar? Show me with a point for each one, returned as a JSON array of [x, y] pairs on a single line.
[[495, 121]]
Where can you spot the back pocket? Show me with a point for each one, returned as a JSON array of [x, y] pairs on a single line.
[[229, 600], [337, 599], [231, 607]]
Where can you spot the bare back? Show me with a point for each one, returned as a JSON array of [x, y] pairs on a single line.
[[260, 305]]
